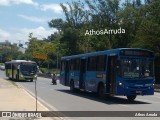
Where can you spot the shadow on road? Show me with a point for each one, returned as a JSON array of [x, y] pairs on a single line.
[[107, 100], [13, 80]]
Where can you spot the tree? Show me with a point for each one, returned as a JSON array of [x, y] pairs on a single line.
[[69, 29], [44, 46], [103, 15], [148, 35], [9, 52], [56, 23], [136, 17]]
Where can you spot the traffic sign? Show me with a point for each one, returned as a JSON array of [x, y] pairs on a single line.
[[40, 56]]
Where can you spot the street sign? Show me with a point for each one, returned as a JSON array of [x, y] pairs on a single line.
[[40, 56]]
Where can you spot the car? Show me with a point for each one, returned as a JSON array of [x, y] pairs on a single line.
[[2, 67]]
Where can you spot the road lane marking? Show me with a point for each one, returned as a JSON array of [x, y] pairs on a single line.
[[48, 105], [29, 94], [40, 101]]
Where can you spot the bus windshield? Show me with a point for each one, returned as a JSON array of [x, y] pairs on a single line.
[[137, 68], [28, 69]]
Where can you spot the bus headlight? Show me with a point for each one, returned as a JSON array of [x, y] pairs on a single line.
[[120, 84]]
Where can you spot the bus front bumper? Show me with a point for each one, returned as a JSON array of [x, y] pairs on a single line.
[[135, 91], [27, 77]]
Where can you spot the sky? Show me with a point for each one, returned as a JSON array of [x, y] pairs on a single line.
[[18, 18]]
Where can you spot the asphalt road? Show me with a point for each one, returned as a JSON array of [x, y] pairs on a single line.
[[58, 97]]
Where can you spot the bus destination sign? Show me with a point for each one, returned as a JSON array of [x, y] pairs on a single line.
[[137, 53]]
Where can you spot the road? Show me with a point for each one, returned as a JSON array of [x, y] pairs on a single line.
[[58, 97]]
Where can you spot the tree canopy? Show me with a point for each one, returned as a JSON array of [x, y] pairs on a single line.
[[139, 18]]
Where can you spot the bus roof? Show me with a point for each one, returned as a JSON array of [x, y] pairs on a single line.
[[110, 52], [18, 61]]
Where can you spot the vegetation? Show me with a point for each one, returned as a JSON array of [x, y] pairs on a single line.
[[139, 18], [8, 52]]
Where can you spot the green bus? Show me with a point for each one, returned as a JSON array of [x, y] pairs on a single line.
[[21, 70]]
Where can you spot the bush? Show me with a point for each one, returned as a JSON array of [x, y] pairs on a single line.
[[50, 71], [44, 70]]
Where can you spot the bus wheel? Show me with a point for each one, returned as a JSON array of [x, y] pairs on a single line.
[[31, 80], [101, 91], [72, 89], [131, 97]]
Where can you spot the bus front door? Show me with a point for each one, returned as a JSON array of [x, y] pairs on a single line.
[[66, 73], [82, 74], [111, 75], [12, 71]]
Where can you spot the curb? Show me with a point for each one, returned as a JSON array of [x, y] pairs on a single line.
[[41, 102]]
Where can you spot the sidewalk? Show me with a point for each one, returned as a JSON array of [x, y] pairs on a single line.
[[15, 98]]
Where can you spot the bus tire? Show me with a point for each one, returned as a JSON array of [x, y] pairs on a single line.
[[31, 80], [72, 88], [131, 97], [101, 91]]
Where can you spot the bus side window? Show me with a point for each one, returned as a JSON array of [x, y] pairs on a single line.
[[15, 66], [101, 63], [92, 63], [72, 65], [62, 66], [77, 64]]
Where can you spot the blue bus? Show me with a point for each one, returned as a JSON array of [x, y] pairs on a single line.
[[122, 71]]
